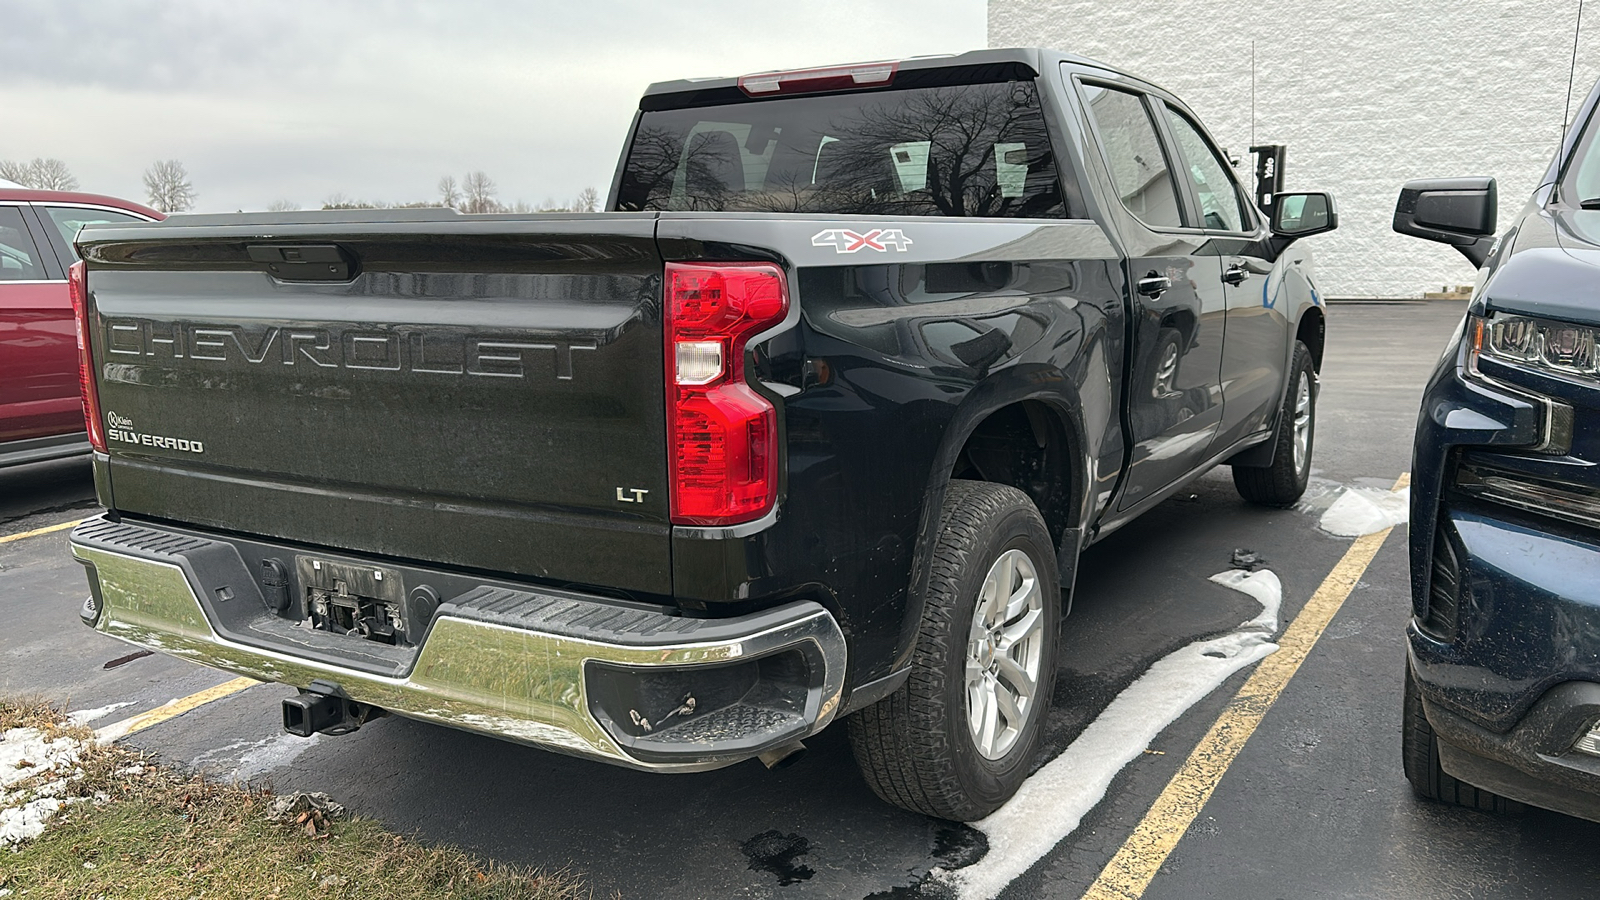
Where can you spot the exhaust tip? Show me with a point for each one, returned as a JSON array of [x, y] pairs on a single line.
[[783, 757]]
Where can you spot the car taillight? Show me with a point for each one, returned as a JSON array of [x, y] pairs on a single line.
[[77, 286], [722, 435]]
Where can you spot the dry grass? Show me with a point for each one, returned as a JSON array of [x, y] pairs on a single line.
[[153, 833], [32, 712]]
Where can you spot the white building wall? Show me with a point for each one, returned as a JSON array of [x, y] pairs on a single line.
[[1366, 95]]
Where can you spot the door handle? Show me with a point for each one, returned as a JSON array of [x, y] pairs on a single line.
[[1154, 285], [1235, 274]]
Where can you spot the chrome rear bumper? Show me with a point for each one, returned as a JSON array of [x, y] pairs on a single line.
[[534, 668]]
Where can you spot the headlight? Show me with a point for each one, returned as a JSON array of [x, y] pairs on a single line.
[[1542, 347], [1552, 348]]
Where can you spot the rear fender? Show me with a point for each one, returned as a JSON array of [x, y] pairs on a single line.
[[1039, 383]]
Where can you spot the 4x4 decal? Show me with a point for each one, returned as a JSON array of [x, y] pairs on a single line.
[[844, 240]]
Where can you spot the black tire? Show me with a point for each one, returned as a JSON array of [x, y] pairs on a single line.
[[1419, 753], [915, 747], [1284, 481]]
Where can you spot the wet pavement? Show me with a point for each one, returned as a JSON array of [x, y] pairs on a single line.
[[1314, 806]]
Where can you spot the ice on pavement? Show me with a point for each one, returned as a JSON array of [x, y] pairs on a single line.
[[273, 753], [1052, 802], [1360, 511], [27, 753]]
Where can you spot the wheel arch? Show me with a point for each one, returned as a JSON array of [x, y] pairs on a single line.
[[1049, 405], [1312, 330]]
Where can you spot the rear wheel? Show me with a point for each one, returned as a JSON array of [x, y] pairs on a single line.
[[1284, 481], [955, 741], [1419, 751]]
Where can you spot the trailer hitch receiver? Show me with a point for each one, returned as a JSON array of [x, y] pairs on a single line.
[[324, 708]]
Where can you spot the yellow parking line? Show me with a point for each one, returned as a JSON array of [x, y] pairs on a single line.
[[38, 531], [118, 730], [1130, 872]]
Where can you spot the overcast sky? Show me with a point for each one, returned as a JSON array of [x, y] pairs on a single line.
[[296, 101]]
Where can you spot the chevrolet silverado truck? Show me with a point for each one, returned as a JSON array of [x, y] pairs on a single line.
[[812, 423]]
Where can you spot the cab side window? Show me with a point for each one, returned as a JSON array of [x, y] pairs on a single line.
[[19, 258], [1219, 196], [1133, 153]]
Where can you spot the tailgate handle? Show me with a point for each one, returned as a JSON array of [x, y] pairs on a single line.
[[304, 262]]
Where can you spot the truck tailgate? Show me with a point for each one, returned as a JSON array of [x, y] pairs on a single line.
[[479, 392]]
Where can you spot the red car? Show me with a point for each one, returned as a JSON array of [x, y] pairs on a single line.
[[41, 412]]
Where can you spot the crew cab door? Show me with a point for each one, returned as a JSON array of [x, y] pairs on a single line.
[[1258, 330], [38, 346], [1173, 403]]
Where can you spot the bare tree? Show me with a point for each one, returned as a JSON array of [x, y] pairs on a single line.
[[41, 174], [449, 194], [283, 206], [52, 175], [478, 192], [588, 200], [340, 201], [167, 185]]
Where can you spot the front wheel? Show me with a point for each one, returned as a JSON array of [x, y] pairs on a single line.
[[1282, 482], [1419, 754], [955, 741]]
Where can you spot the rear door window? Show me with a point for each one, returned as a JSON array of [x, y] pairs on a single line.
[[951, 150], [19, 258], [1133, 153], [68, 219]]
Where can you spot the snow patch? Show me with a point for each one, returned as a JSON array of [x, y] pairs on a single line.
[[27, 753], [1362, 511], [26, 822], [85, 716], [1265, 587], [1050, 804]]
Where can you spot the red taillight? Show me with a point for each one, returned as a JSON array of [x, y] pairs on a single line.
[[77, 286], [722, 435], [831, 78]]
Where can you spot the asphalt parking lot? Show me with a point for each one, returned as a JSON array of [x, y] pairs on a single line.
[[1313, 805]]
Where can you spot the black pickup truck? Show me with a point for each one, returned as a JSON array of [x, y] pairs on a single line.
[[814, 422]]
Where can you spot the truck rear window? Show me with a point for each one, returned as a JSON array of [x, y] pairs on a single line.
[[955, 150]]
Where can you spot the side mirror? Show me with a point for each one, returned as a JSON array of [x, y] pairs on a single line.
[[1461, 212], [1299, 215]]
